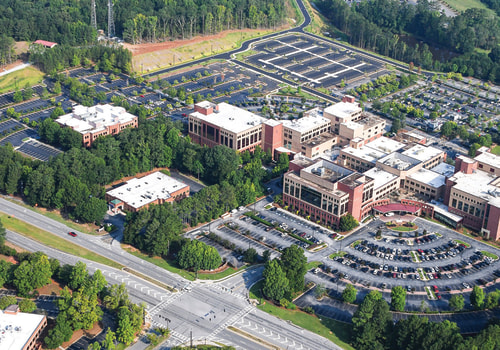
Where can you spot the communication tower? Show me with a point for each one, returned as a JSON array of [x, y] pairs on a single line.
[[111, 23], [93, 18]]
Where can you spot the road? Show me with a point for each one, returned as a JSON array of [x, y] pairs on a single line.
[[206, 310], [230, 56]]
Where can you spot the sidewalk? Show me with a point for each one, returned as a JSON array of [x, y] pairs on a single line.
[[21, 66]]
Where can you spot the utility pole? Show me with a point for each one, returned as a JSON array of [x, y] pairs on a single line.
[[93, 17]]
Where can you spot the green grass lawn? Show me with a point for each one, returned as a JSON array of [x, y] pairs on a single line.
[[169, 266], [335, 331], [334, 255], [27, 76], [54, 215], [462, 5], [313, 264], [462, 242], [53, 241], [403, 228], [489, 255], [496, 150]]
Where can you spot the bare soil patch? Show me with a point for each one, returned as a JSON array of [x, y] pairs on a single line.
[[51, 289]]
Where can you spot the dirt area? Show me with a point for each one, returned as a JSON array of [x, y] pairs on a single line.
[[8, 259], [51, 289], [15, 247], [152, 56], [84, 333]]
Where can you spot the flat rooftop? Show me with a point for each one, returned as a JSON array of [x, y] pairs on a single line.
[[489, 158], [478, 184], [343, 109], [422, 153], [399, 161], [306, 124], [380, 177], [428, 177], [328, 171], [20, 328], [96, 118], [318, 140], [145, 190], [365, 122], [385, 144], [231, 118], [444, 169], [366, 153]]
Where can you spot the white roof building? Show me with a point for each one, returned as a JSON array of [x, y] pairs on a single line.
[[20, 331], [228, 117], [422, 153], [154, 188], [96, 118]]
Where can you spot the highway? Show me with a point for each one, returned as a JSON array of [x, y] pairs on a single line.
[[206, 310]]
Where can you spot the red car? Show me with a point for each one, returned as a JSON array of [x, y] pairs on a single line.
[[435, 289], [184, 114], [72, 234]]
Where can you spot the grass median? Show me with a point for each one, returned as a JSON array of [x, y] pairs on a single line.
[[53, 241], [337, 332]]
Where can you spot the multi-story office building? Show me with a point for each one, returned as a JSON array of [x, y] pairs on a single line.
[[350, 123], [96, 121], [222, 124], [474, 194]]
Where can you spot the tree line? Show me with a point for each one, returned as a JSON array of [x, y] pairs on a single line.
[[7, 52], [373, 328], [114, 59], [68, 22], [381, 26]]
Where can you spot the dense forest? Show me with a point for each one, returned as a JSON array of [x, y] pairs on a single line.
[[68, 22], [384, 27], [73, 182]]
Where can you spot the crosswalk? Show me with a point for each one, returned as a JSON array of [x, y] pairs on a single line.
[[229, 291], [231, 321]]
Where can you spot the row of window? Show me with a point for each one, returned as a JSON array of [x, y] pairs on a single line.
[[467, 208]]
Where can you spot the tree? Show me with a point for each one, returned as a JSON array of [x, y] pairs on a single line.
[[91, 210], [349, 294], [398, 298], [78, 275], [492, 299], [477, 297], [275, 281], [7, 301], [22, 279], [117, 295], [457, 302], [3, 233], [109, 341], [250, 255], [347, 223], [372, 322], [294, 264], [125, 330], [27, 305], [266, 255], [198, 255]]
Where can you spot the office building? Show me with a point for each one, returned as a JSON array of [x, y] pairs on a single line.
[[96, 121], [138, 193]]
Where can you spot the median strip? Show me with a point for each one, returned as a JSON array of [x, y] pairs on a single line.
[[253, 338], [51, 240]]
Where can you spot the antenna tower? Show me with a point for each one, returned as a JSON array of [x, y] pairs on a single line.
[[111, 23], [93, 18]]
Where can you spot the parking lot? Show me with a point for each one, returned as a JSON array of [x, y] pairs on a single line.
[[312, 61], [38, 150], [9, 126], [17, 138]]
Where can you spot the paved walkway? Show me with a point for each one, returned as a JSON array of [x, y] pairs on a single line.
[[21, 66]]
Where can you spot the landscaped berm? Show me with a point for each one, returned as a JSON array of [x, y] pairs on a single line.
[[401, 226]]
